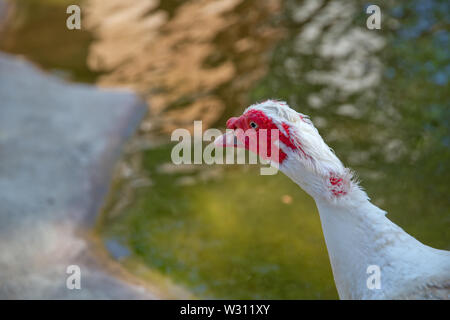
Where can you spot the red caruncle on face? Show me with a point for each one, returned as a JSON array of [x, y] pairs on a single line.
[[257, 120]]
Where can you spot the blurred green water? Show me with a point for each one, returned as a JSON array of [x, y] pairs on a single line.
[[242, 235]]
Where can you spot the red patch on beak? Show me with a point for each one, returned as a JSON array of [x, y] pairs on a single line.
[[231, 123], [238, 123]]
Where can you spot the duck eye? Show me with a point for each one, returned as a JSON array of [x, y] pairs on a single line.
[[253, 125]]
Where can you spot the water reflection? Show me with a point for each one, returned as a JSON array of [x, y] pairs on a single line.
[[191, 64]]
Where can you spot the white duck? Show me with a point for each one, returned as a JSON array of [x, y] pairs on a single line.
[[357, 233]]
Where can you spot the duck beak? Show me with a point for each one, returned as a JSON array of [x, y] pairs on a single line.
[[229, 139]]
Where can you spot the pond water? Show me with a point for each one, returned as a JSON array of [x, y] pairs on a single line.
[[378, 97]]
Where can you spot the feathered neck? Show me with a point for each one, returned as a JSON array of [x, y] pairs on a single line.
[[356, 238], [358, 235]]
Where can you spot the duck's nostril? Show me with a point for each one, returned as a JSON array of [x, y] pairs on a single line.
[[231, 123]]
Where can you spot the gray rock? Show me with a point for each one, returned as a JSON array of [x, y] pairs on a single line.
[[58, 144]]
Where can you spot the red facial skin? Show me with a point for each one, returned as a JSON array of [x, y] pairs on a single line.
[[263, 122], [243, 122]]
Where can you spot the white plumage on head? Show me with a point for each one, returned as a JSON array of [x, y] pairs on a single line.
[[317, 156]]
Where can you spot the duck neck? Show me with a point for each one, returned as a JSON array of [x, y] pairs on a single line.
[[360, 238], [362, 241], [353, 236]]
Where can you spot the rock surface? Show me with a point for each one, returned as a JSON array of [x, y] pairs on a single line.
[[58, 144]]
